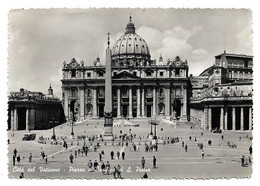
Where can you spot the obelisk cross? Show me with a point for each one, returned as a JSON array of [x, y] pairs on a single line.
[[108, 39]]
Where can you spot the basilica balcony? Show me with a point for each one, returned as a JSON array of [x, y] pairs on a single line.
[[148, 95], [124, 95], [178, 96], [73, 97], [161, 96], [101, 95]]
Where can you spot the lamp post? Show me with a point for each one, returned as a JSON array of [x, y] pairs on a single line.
[[72, 122], [53, 121], [153, 122]]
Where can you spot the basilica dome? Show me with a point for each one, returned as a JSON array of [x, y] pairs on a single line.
[[130, 48]]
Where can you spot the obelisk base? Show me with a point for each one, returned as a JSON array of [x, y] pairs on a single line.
[[108, 134]]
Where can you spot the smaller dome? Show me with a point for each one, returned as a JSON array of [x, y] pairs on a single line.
[[130, 27]]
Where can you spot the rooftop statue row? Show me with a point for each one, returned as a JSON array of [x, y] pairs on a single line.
[[31, 96], [177, 62]]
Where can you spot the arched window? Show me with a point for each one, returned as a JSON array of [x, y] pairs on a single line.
[[149, 92], [88, 93], [73, 73], [89, 109], [161, 109], [161, 91]]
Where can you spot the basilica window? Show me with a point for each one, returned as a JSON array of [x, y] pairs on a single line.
[[161, 74], [161, 91], [73, 92], [177, 72], [73, 73], [88, 74], [100, 73], [115, 73], [134, 73], [89, 109], [124, 92], [89, 93], [149, 92], [134, 92], [148, 73], [114, 92], [101, 92], [161, 109]]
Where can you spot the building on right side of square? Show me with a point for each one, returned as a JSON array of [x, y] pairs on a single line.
[[222, 95]]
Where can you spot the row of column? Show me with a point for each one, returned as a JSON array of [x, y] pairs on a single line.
[[207, 117], [140, 92], [14, 119]]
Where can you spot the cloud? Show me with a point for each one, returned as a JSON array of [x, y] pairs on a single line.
[[171, 42], [40, 40]]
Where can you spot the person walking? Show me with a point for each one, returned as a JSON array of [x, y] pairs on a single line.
[[21, 175], [96, 165], [115, 172], [18, 159], [145, 176], [154, 162], [30, 158], [222, 137], [250, 150], [119, 171], [90, 164], [100, 157], [186, 147], [123, 155], [118, 154], [202, 154], [112, 155], [108, 167], [71, 158], [13, 159], [190, 138], [242, 161], [143, 162], [46, 159], [182, 143], [75, 153], [15, 152], [102, 152], [103, 167]]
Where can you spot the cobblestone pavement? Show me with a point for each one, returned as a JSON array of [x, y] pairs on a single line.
[[172, 161]]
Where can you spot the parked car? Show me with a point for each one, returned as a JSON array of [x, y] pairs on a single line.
[[29, 136], [216, 130]]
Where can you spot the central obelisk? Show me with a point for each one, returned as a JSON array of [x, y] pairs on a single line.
[[108, 125]]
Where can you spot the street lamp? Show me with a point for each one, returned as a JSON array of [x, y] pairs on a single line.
[[153, 122], [72, 121], [53, 121]]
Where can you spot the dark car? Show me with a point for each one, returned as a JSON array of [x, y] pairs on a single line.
[[29, 136]]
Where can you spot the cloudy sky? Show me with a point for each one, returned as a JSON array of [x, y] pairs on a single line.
[[40, 40]]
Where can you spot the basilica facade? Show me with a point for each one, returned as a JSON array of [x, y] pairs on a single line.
[[141, 87]]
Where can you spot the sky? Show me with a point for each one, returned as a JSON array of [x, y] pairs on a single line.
[[41, 40]]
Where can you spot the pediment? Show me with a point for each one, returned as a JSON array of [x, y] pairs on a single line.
[[125, 75]]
